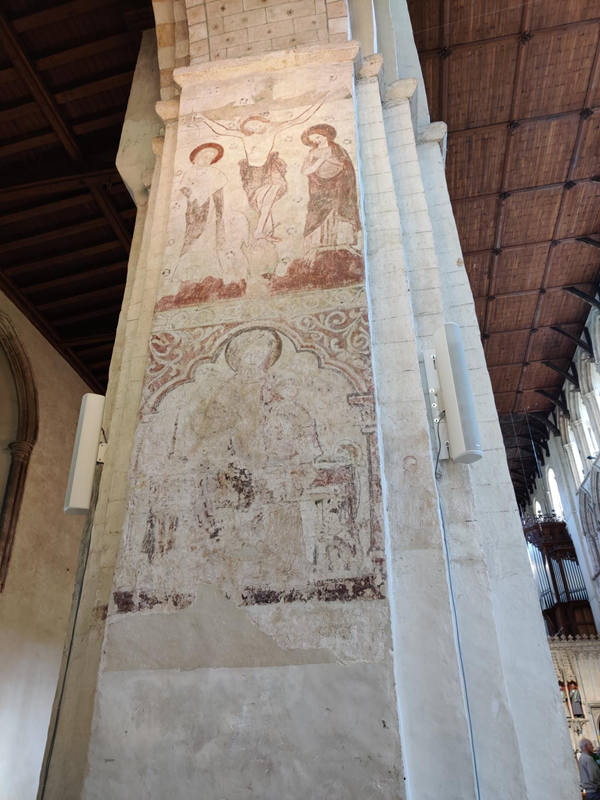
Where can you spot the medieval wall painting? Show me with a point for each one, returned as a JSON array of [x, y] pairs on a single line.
[[256, 466], [265, 194]]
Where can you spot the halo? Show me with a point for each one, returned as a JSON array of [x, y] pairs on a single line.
[[265, 338], [213, 146], [328, 131]]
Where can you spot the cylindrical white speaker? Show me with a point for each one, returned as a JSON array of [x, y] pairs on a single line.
[[85, 453], [451, 364]]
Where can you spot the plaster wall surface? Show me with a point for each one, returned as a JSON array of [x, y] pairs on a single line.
[[35, 603]]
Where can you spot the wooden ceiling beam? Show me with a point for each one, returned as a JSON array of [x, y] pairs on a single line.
[[77, 93], [111, 214], [67, 280], [54, 233], [510, 37], [444, 55], [512, 247], [16, 112], [29, 75], [99, 122], [85, 340], [13, 293], [514, 110], [525, 190], [98, 350], [29, 143], [98, 364], [58, 233], [532, 292], [49, 108], [558, 401], [87, 315], [520, 361], [94, 48], [545, 420], [58, 13], [589, 240], [571, 376], [62, 258], [585, 345], [47, 208], [57, 179], [527, 330], [76, 299], [95, 87]]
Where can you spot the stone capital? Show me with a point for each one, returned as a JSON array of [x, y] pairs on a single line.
[[157, 145], [20, 450], [369, 69], [168, 110], [400, 91], [434, 132]]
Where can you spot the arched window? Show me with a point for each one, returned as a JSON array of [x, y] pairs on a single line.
[[538, 509], [557, 505], [18, 433]]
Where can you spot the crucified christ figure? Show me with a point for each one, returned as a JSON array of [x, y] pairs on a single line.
[[262, 170]]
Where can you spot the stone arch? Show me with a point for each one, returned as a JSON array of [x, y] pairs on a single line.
[[593, 325], [27, 431], [590, 527], [595, 487]]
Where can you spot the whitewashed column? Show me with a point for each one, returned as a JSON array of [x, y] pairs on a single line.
[[496, 748], [428, 680], [582, 443], [69, 760], [590, 401], [569, 449], [528, 673]]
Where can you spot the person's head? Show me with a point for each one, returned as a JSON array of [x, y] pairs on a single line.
[[319, 136], [254, 125], [206, 154], [586, 746], [251, 354]]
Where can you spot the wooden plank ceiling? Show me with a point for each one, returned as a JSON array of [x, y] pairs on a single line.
[[66, 218], [518, 84]]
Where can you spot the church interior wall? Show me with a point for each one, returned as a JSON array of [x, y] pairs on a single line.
[[263, 339], [36, 599]]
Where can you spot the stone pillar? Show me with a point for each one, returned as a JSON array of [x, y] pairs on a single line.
[[248, 645], [497, 752], [582, 443], [528, 675], [67, 767], [569, 448], [425, 647], [590, 401]]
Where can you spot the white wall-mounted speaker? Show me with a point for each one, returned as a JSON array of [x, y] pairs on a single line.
[[85, 455], [453, 373]]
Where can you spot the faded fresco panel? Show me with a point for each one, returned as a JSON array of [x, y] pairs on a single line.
[[256, 464], [265, 197]]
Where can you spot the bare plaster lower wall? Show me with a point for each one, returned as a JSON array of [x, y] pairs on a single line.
[[35, 603]]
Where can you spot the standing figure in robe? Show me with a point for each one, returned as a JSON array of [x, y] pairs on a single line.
[[332, 220], [204, 193]]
